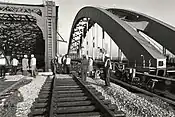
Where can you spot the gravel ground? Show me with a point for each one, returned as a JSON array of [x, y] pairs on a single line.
[[29, 92], [9, 101], [132, 104]]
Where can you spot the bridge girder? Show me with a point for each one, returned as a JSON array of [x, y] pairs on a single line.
[[45, 16], [22, 8], [14, 17], [161, 32], [129, 40]]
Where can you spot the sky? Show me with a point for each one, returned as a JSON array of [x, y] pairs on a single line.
[[160, 9]]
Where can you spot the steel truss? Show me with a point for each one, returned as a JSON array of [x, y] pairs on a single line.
[[79, 34], [17, 17], [21, 9], [19, 37]]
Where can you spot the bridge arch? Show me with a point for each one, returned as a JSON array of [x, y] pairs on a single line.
[[21, 36], [130, 41], [36, 11], [46, 19], [161, 32]]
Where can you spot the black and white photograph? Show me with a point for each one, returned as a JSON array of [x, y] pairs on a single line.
[[87, 58]]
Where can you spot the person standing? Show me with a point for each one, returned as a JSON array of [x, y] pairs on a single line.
[[25, 65], [107, 67], [56, 63], [14, 65], [90, 66], [53, 65], [60, 64], [84, 68], [2, 65], [67, 64], [64, 63], [33, 66]]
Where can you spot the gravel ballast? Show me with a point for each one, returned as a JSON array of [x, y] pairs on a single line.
[[11, 96], [132, 104], [29, 92]]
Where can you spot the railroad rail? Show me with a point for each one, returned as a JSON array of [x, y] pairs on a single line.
[[41, 105], [136, 88], [70, 97], [9, 95], [7, 87]]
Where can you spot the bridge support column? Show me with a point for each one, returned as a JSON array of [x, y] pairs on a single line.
[[103, 39], [94, 36], [50, 31]]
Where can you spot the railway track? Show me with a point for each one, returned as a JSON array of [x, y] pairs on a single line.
[[9, 95], [8, 87], [70, 97], [41, 106], [4, 85], [133, 87]]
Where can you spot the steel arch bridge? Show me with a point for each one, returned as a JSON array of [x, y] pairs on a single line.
[[29, 29], [116, 23]]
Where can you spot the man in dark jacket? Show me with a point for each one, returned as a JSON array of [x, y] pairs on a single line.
[[84, 68], [53, 65], [107, 67]]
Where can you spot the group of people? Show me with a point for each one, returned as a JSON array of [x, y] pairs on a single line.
[[87, 66], [26, 66], [61, 64], [15, 63]]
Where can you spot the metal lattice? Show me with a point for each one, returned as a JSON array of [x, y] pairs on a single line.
[[17, 17], [21, 9], [18, 34], [78, 35]]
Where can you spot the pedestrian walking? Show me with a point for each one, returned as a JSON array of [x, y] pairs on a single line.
[[14, 65], [25, 65], [84, 68], [107, 67], [3, 63], [33, 65]]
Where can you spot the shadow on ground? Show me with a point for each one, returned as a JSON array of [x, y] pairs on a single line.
[[9, 107]]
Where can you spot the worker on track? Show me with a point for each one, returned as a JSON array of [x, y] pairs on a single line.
[[67, 64], [14, 63], [107, 67], [90, 67], [53, 65], [25, 65], [3, 63], [33, 65], [84, 68]]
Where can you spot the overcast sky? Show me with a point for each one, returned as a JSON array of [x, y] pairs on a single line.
[[160, 9]]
